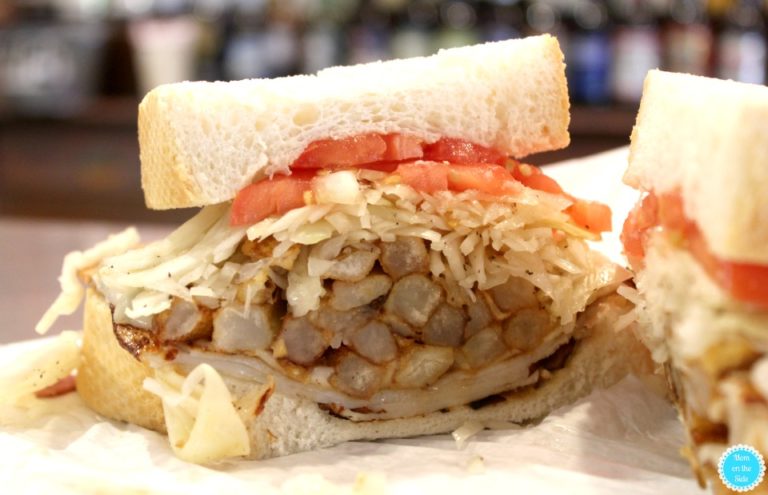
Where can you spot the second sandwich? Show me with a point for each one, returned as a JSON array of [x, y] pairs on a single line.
[[699, 242]]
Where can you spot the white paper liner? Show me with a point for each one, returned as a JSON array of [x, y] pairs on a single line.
[[622, 440]]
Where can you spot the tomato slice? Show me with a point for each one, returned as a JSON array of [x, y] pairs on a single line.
[[591, 215], [642, 218], [267, 197], [746, 282], [490, 179], [473, 167], [357, 150], [347, 152], [425, 177], [521, 171], [402, 147], [544, 183], [459, 151], [532, 176], [387, 167], [430, 177]]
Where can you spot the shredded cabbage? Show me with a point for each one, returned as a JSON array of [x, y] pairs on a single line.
[[140, 282], [72, 291], [304, 291], [481, 241], [692, 313]]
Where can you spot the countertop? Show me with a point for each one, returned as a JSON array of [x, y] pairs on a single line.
[[31, 252]]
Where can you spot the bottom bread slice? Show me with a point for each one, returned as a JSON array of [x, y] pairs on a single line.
[[110, 382]]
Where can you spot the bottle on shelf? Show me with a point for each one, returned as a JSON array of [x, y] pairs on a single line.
[[165, 44], [589, 52], [458, 25], [688, 39], [245, 54], [415, 23], [500, 19], [636, 48], [741, 46], [323, 41], [369, 33], [212, 21], [281, 40], [546, 16]]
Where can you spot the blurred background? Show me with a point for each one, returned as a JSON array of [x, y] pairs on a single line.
[[73, 71]]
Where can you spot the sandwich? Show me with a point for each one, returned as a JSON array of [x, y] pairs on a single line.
[[370, 260], [698, 240]]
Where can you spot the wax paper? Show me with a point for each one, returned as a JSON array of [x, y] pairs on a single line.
[[624, 439]]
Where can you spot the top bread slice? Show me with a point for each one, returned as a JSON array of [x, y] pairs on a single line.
[[708, 139], [202, 142]]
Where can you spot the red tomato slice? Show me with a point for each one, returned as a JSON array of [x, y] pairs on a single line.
[[671, 214], [745, 282], [522, 170], [459, 151], [268, 197], [532, 176], [490, 179], [402, 147], [643, 217], [388, 167], [591, 215], [357, 150], [429, 178], [347, 152], [541, 182]]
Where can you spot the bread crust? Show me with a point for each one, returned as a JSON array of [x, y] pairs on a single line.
[[110, 383], [202, 142], [707, 139], [109, 379]]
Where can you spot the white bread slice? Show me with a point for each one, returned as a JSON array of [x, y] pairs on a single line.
[[709, 139], [202, 142], [108, 384]]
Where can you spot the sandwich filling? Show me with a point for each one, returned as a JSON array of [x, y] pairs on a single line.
[[705, 320], [745, 282], [391, 288]]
